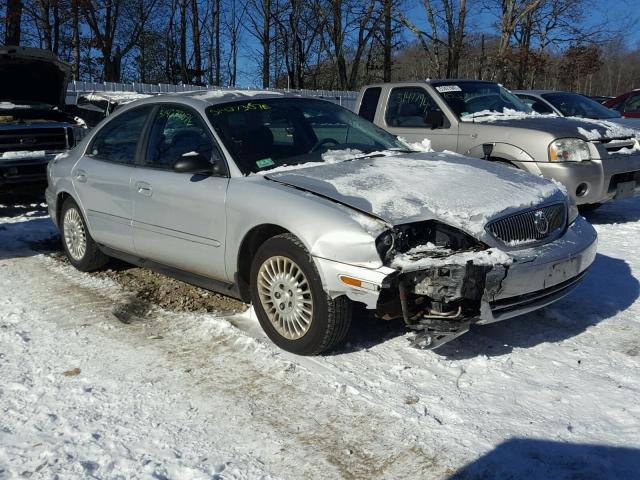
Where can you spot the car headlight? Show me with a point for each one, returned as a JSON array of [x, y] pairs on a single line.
[[569, 150], [403, 238]]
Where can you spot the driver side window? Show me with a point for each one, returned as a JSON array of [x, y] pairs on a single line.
[[632, 105], [408, 108], [176, 130]]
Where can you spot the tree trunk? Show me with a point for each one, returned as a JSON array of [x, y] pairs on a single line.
[[387, 40], [75, 27], [266, 43], [183, 42], [197, 53], [13, 20]]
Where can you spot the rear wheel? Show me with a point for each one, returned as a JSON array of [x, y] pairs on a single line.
[[82, 251], [293, 309]]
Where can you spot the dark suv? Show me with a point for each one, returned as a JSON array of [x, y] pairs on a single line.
[[33, 126]]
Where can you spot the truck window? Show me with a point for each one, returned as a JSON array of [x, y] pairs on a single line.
[[408, 107], [369, 103]]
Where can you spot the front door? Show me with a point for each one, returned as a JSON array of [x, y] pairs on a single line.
[[179, 219], [102, 179], [406, 117]]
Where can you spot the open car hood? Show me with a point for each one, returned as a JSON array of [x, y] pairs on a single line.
[[460, 191], [32, 75]]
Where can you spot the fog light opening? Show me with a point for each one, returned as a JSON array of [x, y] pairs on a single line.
[[582, 190]]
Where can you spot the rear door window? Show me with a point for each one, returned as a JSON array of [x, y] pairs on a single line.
[[118, 140]]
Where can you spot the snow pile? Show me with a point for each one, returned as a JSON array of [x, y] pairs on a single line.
[[608, 130], [23, 154], [550, 395], [506, 114], [460, 191], [422, 146]]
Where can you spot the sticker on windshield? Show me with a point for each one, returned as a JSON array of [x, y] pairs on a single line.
[[265, 162], [448, 88]]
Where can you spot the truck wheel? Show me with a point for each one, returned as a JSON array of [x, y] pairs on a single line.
[[293, 309], [82, 251]]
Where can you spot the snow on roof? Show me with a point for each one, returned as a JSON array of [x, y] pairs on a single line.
[[115, 97]]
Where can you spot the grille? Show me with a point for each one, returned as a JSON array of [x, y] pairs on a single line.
[[527, 227], [31, 139]]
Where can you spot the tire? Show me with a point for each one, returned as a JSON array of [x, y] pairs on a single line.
[[312, 322], [80, 248], [588, 207]]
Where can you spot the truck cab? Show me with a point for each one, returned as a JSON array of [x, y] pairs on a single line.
[[597, 161]]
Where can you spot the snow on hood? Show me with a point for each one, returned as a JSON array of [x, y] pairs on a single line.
[[603, 129], [506, 114], [460, 191]]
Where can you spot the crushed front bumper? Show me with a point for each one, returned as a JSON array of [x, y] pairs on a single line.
[[534, 278]]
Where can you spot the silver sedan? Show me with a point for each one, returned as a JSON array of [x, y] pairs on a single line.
[[304, 209]]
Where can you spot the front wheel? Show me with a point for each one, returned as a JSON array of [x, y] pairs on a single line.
[[292, 307], [82, 251]]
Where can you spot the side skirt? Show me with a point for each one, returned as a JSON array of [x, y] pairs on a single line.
[[223, 288]]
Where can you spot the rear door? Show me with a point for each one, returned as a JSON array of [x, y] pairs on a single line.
[[102, 178], [405, 116], [179, 219]]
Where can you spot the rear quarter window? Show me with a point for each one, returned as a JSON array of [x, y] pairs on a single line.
[[369, 103]]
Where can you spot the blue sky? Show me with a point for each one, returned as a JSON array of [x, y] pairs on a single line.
[[621, 16]]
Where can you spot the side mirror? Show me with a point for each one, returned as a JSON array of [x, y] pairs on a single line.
[[435, 118], [193, 162]]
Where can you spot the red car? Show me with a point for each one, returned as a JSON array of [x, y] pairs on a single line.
[[628, 104]]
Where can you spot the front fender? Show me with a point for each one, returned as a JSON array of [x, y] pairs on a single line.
[[502, 150]]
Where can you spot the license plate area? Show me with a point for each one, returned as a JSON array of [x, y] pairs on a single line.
[[625, 189]]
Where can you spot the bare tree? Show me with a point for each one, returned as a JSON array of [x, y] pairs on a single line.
[[446, 19], [13, 22]]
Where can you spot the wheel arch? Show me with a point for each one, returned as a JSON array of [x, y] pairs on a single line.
[[248, 248]]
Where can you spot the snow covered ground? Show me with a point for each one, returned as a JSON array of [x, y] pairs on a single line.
[[95, 384]]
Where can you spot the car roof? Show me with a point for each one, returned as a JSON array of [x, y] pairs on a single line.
[[206, 98], [428, 81]]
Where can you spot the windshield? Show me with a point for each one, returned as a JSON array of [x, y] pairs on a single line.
[[269, 133], [574, 105], [475, 99]]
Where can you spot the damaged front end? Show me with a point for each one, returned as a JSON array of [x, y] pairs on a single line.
[[442, 283]]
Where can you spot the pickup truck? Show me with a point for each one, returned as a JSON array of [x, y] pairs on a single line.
[[597, 161], [34, 127]]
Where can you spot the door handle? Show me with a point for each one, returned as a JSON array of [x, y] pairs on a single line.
[[81, 176], [144, 188]]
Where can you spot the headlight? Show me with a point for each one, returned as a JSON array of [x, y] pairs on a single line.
[[408, 236], [569, 150]]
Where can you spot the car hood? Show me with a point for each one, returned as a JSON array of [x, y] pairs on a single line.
[[32, 75], [460, 191], [559, 127]]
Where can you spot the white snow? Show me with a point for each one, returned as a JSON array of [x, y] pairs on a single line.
[[421, 186], [115, 97], [506, 114], [612, 129], [24, 154], [423, 146], [550, 395], [422, 257], [219, 93]]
